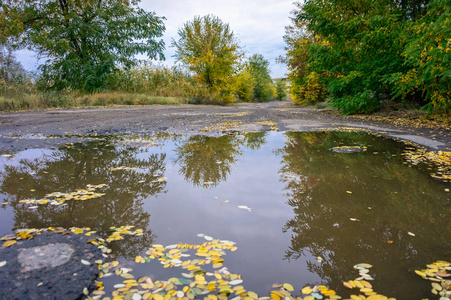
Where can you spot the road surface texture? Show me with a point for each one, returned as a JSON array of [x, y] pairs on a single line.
[[25, 130]]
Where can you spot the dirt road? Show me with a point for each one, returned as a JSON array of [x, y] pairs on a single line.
[[26, 130]]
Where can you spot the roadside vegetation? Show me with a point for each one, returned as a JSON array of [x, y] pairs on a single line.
[[361, 55]]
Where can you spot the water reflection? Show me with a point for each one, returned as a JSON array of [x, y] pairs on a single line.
[[310, 202], [206, 161], [389, 198], [75, 167]]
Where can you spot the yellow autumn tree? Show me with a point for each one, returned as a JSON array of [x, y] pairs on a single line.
[[208, 47]]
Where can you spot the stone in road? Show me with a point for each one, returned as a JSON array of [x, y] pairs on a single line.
[[48, 267]]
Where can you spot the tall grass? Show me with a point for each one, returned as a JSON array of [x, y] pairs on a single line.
[[146, 84]]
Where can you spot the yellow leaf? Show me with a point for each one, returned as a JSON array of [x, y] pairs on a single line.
[[377, 297], [288, 287], [9, 243], [307, 290], [275, 296], [420, 273]]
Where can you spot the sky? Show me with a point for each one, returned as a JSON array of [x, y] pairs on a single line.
[[259, 25]]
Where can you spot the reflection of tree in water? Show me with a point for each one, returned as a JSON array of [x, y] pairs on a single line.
[[210, 159], [70, 169], [402, 200]]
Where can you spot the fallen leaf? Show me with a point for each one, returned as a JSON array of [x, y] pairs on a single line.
[[288, 287], [9, 243], [85, 262]]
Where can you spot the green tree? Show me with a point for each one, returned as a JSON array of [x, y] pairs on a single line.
[[306, 86], [369, 52], [12, 75], [427, 56], [264, 89], [83, 41], [281, 88], [210, 49], [244, 86]]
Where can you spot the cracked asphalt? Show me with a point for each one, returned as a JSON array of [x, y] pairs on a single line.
[[51, 128]]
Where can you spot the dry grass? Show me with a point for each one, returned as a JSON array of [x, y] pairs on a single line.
[[36, 101]]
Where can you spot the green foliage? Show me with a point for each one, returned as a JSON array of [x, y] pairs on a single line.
[[208, 47], [264, 89], [306, 85], [83, 41], [244, 86], [366, 52], [427, 55], [281, 88], [157, 80]]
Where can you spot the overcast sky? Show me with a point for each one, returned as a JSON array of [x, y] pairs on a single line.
[[258, 24]]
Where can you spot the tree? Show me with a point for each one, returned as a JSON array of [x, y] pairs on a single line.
[[427, 55], [264, 89], [369, 52], [209, 48], [281, 88], [306, 86], [83, 41], [11, 71]]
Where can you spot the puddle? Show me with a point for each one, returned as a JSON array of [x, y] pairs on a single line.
[[285, 199]]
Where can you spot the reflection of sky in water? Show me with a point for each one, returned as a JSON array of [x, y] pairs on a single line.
[[185, 211], [312, 205]]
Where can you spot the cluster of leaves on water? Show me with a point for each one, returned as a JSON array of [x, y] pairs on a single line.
[[59, 198], [441, 160], [218, 284], [440, 275]]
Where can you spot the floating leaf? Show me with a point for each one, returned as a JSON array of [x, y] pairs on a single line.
[[9, 243], [288, 287], [2, 264], [236, 282], [307, 290], [411, 234], [420, 273], [354, 220]]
